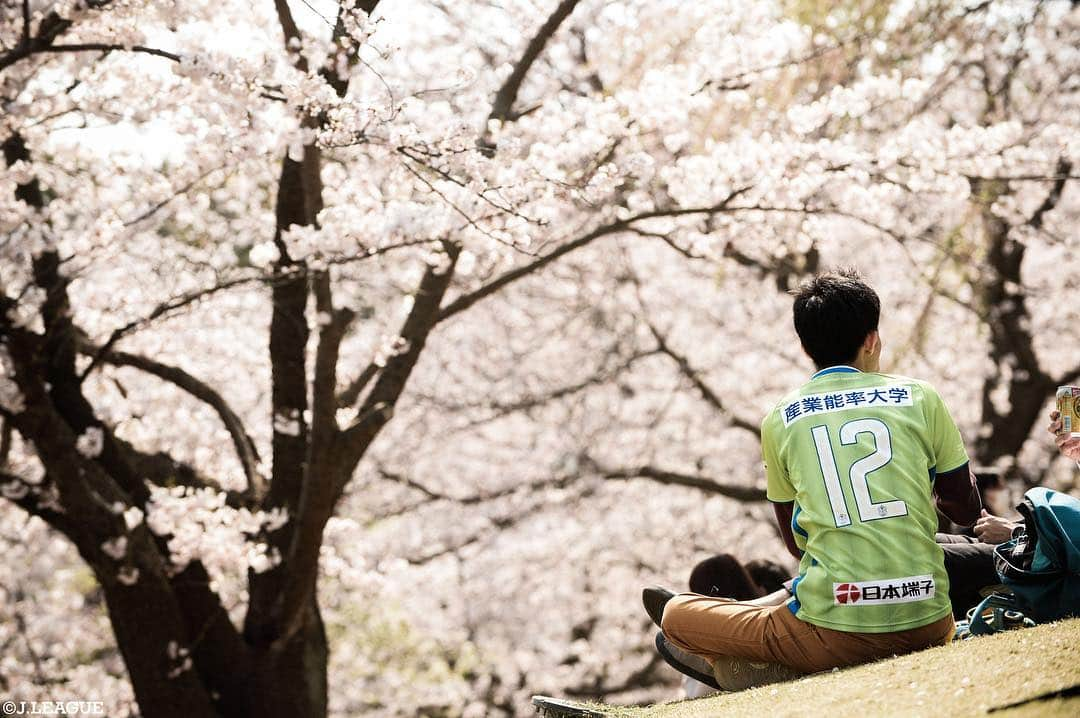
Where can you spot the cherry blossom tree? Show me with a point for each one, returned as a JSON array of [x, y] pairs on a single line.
[[372, 355]]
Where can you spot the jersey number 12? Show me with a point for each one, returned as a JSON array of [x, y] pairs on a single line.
[[860, 470]]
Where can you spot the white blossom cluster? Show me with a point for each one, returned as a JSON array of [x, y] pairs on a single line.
[[199, 525]]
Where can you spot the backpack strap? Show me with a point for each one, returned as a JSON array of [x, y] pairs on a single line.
[[995, 613]]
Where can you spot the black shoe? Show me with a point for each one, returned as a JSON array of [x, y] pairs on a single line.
[[685, 662], [655, 598]]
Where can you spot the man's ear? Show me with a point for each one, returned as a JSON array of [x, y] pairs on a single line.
[[872, 342]]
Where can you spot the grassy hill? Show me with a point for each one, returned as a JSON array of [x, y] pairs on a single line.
[[1024, 673]]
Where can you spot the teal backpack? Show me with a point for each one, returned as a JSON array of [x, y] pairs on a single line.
[[1041, 566]]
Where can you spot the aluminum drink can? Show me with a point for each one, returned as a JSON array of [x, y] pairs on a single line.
[[1068, 405]]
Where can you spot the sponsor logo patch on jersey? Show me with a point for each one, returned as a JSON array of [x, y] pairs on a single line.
[[828, 402], [908, 589]]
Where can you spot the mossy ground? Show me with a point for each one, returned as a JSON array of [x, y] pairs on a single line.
[[1009, 675]]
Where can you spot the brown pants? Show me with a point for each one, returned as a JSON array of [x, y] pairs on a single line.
[[713, 627]]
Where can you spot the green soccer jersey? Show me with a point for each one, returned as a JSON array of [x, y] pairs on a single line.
[[857, 453]]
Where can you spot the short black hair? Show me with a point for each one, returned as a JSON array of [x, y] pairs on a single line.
[[834, 313], [770, 575], [724, 576]]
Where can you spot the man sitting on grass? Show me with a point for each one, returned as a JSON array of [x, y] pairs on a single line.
[[855, 460]]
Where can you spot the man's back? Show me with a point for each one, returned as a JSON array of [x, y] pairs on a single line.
[[858, 453]]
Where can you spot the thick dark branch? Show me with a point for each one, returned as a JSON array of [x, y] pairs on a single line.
[[502, 108], [1015, 366], [161, 469], [242, 441], [291, 32], [1064, 167], [329, 71], [26, 22], [328, 471], [299, 198], [32, 503], [352, 393], [107, 47], [5, 439], [424, 315], [333, 323], [707, 393]]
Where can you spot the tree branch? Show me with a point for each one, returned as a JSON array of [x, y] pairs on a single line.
[[465, 301], [710, 396], [26, 22], [352, 393], [473, 499], [51, 27], [107, 47], [333, 325], [328, 471], [329, 71], [242, 441], [291, 32], [526, 403], [424, 315], [748, 494], [1064, 167], [502, 108], [299, 198], [161, 310]]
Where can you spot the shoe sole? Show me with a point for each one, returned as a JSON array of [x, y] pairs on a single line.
[[738, 674], [681, 661]]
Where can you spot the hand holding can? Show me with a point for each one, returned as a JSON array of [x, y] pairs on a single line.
[[1067, 424]]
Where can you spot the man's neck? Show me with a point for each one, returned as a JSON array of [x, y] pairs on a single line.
[[864, 364]]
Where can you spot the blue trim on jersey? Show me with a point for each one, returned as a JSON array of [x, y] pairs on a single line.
[[793, 604], [966, 463], [795, 523], [839, 369], [933, 473]]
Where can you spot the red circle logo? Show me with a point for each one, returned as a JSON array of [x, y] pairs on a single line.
[[848, 593]]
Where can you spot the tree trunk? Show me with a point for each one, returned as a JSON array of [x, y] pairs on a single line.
[[291, 681], [144, 621], [1016, 371]]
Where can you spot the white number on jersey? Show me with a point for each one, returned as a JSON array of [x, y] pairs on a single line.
[[860, 470]]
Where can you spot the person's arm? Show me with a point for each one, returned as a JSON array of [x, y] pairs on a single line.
[[779, 490], [957, 495], [783, 511], [955, 490]]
